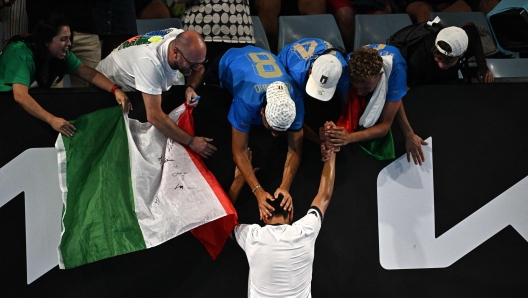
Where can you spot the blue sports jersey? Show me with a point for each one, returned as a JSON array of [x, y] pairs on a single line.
[[397, 86], [297, 58], [246, 72]]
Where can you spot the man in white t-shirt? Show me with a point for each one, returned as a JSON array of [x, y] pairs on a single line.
[[280, 254], [152, 63]]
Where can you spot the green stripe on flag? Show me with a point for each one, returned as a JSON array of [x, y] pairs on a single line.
[[380, 148], [99, 219]]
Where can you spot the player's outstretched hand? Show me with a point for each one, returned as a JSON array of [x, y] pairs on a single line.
[[326, 152]]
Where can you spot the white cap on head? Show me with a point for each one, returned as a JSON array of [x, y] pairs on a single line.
[[326, 72], [456, 38], [280, 108]]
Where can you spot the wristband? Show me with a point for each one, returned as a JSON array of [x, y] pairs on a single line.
[[189, 142], [256, 187], [192, 87], [114, 89]]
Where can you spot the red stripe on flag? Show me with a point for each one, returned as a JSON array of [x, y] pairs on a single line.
[[212, 235], [353, 111]]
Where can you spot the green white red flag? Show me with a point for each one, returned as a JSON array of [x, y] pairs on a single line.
[[127, 187]]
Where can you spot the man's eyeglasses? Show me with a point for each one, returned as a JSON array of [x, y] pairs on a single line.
[[192, 65]]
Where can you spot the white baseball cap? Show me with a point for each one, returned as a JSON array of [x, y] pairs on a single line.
[[280, 108], [456, 38], [326, 72]]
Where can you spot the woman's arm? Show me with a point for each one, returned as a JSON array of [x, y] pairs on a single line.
[[22, 97], [92, 76]]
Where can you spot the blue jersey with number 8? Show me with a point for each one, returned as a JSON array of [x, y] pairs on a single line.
[[246, 72]]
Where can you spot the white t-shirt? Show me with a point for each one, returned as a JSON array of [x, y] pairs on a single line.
[[141, 63], [280, 257]]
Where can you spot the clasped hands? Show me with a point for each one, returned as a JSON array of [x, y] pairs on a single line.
[[332, 138]]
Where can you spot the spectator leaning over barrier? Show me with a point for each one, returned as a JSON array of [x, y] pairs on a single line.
[[263, 94], [378, 83], [319, 70], [42, 59], [434, 54], [151, 64]]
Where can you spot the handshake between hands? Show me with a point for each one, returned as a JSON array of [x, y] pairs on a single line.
[[332, 138]]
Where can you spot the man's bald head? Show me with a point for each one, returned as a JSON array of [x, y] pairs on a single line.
[[192, 45], [187, 52]]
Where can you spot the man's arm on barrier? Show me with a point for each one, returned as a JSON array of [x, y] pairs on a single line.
[[165, 125], [239, 145], [293, 159], [413, 143], [238, 180], [26, 101]]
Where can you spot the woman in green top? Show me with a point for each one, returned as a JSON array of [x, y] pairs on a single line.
[[43, 58]]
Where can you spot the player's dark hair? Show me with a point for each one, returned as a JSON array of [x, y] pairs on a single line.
[[279, 210]]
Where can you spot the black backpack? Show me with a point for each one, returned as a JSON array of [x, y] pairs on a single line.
[[410, 39]]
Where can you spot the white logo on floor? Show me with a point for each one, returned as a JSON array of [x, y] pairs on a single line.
[[406, 219]]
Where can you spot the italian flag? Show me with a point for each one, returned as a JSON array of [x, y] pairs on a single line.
[[127, 187]]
